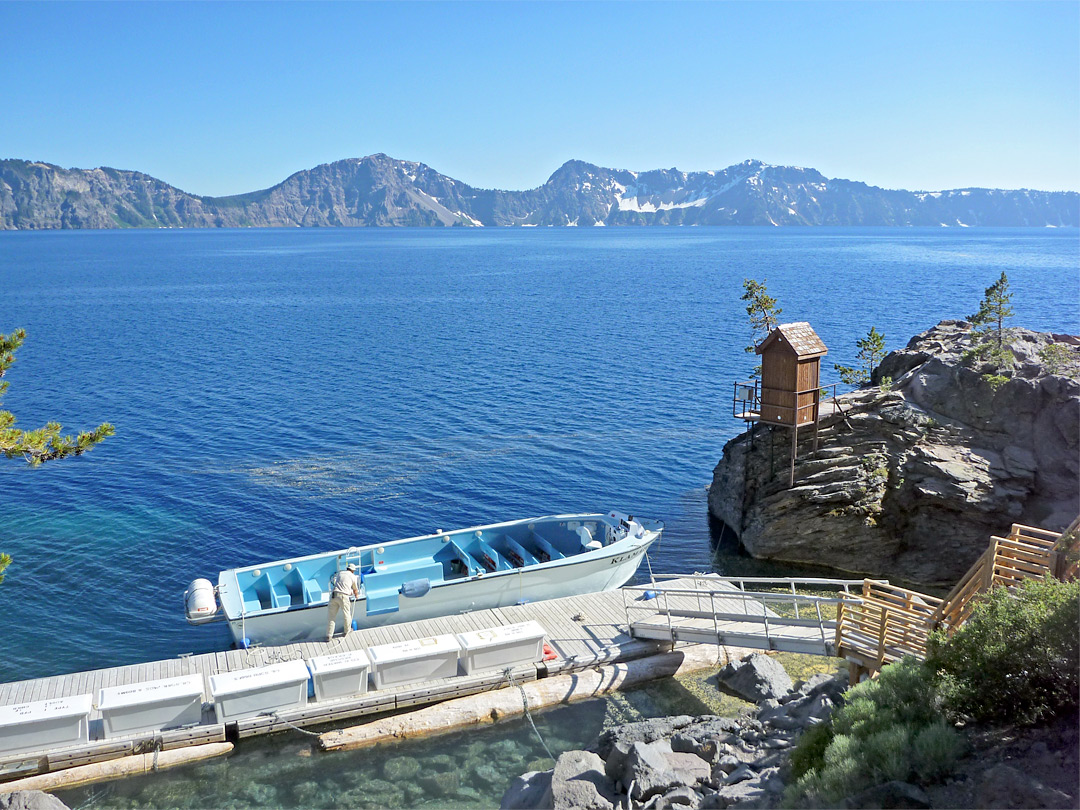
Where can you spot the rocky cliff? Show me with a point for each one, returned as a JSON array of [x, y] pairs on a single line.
[[381, 191], [912, 478]]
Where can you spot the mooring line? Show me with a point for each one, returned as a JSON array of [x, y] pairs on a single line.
[[525, 702], [281, 719]]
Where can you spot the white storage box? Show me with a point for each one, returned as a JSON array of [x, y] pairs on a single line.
[[341, 675], [45, 724], [501, 647], [422, 659], [251, 692], [150, 706]]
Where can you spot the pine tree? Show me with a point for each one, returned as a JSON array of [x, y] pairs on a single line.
[[43, 444], [989, 332], [763, 311], [46, 443], [871, 352]]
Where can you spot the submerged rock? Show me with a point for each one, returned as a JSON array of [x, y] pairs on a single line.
[[911, 482]]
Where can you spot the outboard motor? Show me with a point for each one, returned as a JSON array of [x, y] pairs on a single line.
[[200, 601]]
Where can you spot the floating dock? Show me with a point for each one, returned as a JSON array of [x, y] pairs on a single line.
[[582, 631]]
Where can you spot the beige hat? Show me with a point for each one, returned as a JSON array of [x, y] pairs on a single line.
[[350, 567]]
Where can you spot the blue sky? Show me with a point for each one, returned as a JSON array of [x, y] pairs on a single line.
[[228, 98]]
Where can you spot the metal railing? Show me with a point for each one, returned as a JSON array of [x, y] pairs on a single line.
[[656, 599], [746, 403]]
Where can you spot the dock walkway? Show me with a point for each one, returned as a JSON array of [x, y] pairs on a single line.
[[583, 631]]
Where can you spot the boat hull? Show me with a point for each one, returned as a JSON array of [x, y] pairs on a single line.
[[585, 574]]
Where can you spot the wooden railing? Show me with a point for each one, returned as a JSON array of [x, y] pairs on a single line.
[[1027, 553], [889, 622]]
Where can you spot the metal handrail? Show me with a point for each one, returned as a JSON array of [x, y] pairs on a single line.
[[781, 580], [761, 596]]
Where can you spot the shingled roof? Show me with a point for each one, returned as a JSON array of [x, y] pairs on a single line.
[[800, 336]]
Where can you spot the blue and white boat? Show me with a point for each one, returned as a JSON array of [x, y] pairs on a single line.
[[433, 575]]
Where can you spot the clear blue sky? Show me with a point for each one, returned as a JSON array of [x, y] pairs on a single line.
[[227, 98]]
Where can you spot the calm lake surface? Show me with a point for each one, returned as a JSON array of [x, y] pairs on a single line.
[[281, 392]]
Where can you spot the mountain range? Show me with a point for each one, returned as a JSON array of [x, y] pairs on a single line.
[[382, 191]]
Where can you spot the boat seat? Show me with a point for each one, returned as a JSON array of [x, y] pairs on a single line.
[[382, 597], [470, 561], [478, 548], [508, 546], [313, 591], [289, 590], [259, 595], [545, 546], [381, 588]]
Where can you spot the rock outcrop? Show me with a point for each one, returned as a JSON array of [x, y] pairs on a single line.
[[911, 478]]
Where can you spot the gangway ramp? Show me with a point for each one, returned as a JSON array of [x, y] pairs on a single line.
[[710, 609]]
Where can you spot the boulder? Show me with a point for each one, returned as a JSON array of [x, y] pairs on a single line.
[[744, 794], [893, 795], [1004, 786], [644, 731], [578, 782], [646, 772], [689, 769], [757, 677], [528, 792], [683, 797], [30, 800]]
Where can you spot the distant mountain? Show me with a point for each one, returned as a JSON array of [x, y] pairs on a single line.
[[381, 191]]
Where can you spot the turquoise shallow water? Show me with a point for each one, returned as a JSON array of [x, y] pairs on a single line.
[[278, 392]]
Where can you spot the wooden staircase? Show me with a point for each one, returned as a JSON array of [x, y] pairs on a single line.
[[887, 622]]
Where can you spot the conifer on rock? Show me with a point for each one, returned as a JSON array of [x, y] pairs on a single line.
[[989, 332], [871, 352]]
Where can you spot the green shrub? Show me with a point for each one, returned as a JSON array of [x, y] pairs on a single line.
[[874, 737], [1017, 658], [810, 752], [935, 749], [1056, 357], [887, 753]]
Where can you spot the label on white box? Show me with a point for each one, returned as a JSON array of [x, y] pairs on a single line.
[[507, 634], [115, 697], [414, 648], [45, 710]]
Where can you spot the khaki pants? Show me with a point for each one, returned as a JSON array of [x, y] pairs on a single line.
[[338, 601]]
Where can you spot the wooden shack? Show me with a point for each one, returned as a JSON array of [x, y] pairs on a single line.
[[791, 375]]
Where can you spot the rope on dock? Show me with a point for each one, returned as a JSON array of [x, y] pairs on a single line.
[[525, 702], [293, 726]]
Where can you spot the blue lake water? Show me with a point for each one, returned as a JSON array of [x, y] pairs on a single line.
[[280, 392]]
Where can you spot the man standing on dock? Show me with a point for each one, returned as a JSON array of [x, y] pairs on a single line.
[[343, 588]]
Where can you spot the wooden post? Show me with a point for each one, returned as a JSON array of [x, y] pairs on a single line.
[[794, 450], [881, 637], [991, 564], [817, 415], [839, 626]]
